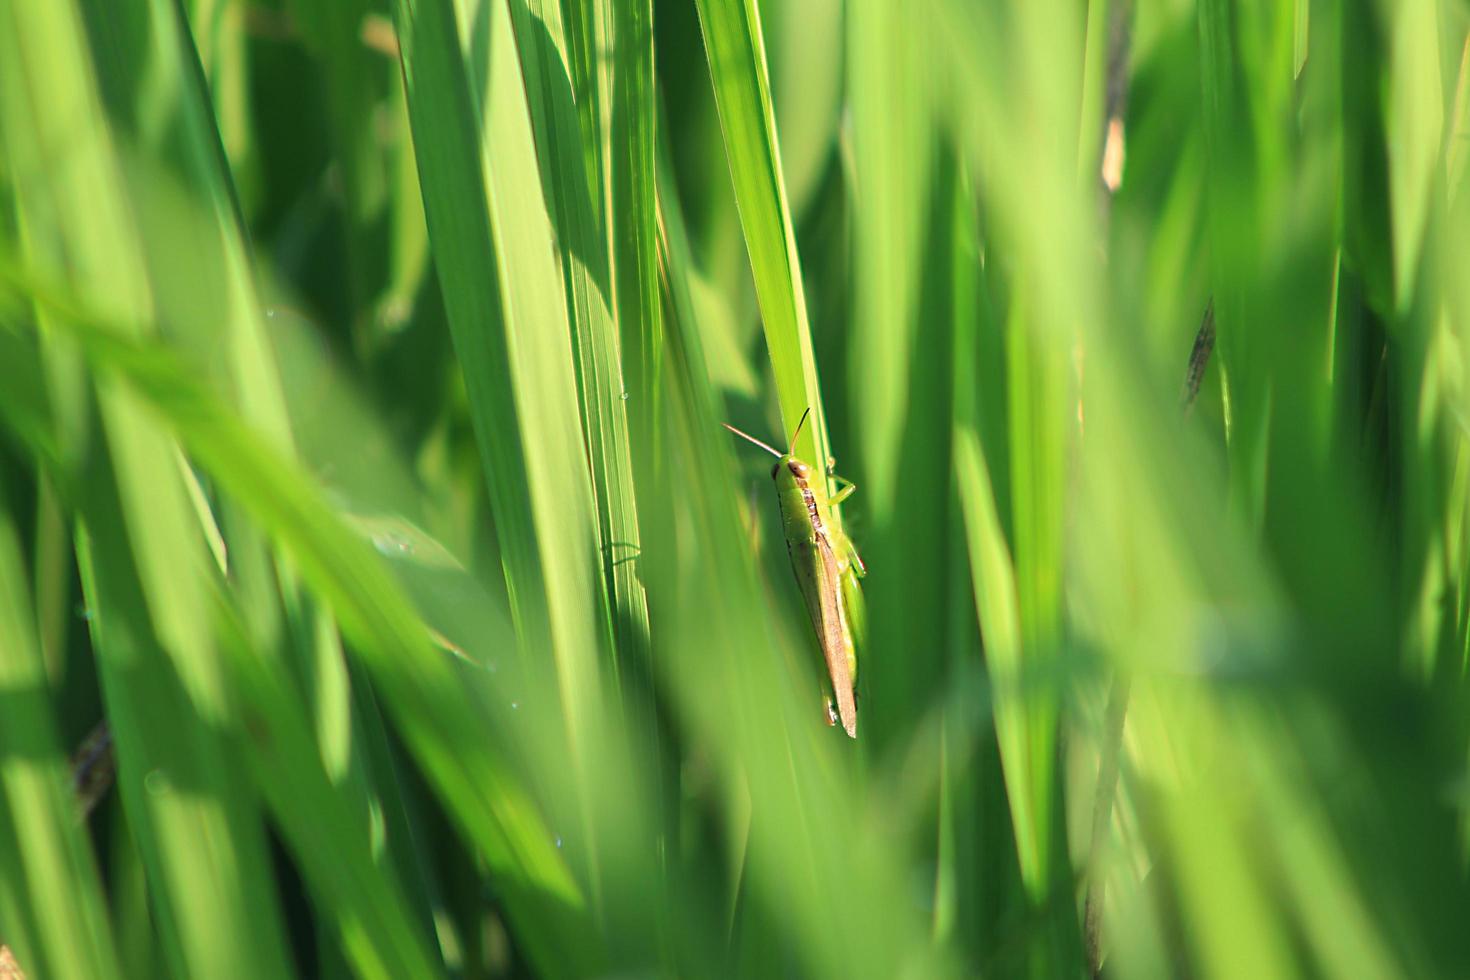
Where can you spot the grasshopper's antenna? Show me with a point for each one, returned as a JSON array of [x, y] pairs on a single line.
[[751, 439], [798, 429]]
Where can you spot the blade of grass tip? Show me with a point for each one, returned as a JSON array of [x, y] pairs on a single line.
[[437, 712], [53, 867], [737, 65], [204, 850]]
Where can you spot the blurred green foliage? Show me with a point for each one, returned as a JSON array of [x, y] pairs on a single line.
[[361, 371]]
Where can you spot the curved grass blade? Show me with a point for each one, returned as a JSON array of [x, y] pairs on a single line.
[[439, 715], [142, 553], [737, 65]]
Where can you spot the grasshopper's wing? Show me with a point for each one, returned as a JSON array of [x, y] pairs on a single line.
[[835, 635]]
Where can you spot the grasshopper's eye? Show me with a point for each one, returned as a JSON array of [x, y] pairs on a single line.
[[800, 469], [774, 470]]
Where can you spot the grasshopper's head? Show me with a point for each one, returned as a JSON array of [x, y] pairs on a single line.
[[789, 470]]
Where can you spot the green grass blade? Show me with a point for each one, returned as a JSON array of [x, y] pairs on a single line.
[[447, 116], [998, 607], [329, 837], [199, 835], [204, 851], [356, 77], [209, 302], [548, 57], [438, 714], [223, 45], [891, 151], [581, 248], [474, 140], [608, 49], [630, 171], [1415, 130], [737, 65], [48, 860]]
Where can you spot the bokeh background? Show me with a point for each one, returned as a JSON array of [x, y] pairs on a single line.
[[380, 596]]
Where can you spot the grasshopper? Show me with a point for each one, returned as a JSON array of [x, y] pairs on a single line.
[[827, 566]]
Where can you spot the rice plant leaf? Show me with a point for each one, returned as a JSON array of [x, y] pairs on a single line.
[[997, 604], [323, 824], [204, 850], [1415, 128], [356, 78], [629, 174], [46, 857], [581, 241], [737, 64], [891, 157], [436, 710], [209, 303], [475, 145], [608, 51]]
